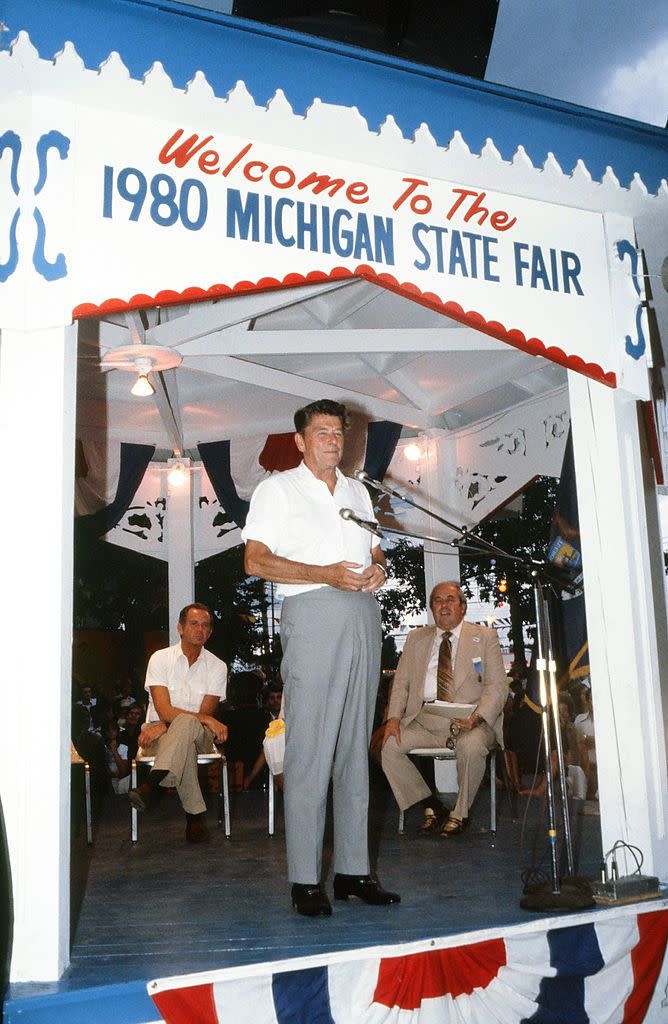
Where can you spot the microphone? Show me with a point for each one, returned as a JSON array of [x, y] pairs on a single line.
[[366, 524], [364, 478]]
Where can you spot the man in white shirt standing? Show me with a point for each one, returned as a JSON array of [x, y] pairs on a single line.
[[327, 568], [456, 661], [185, 683]]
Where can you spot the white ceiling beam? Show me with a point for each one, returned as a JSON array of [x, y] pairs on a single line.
[[305, 388], [329, 313], [209, 317], [135, 326], [386, 362], [398, 379], [113, 335], [166, 398], [484, 381], [407, 386], [238, 341]]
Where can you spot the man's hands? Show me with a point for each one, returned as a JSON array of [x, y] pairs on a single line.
[[214, 726], [341, 576], [467, 724], [150, 732], [391, 729]]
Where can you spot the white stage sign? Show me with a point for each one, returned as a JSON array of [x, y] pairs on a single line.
[[107, 210]]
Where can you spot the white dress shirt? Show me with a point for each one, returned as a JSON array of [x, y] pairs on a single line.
[[187, 684], [430, 683], [297, 517]]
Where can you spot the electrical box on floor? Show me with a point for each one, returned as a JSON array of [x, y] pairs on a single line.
[[627, 889]]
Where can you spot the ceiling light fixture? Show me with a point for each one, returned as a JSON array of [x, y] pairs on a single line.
[[413, 452], [142, 387], [177, 474]]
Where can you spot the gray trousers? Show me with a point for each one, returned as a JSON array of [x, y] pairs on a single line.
[[176, 753], [331, 668], [427, 730]]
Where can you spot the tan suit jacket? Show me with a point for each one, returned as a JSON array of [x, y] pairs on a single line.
[[479, 675]]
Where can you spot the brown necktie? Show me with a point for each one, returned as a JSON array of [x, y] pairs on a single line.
[[444, 669]]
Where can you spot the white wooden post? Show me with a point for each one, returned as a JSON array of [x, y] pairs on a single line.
[[622, 613], [440, 562], [438, 472], [37, 427], [180, 542]]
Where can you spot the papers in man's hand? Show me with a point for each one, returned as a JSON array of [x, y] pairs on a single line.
[[447, 709]]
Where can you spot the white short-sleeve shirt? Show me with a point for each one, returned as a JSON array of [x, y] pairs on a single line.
[[297, 517], [187, 684]]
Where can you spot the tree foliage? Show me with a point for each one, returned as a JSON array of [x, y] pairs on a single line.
[[240, 607], [404, 594], [526, 535], [118, 589]]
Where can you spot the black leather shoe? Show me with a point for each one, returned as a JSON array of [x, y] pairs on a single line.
[[310, 900], [365, 888]]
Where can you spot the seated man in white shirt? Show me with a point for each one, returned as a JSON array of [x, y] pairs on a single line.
[[185, 684]]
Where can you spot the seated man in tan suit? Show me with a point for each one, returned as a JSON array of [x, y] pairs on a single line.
[[456, 661]]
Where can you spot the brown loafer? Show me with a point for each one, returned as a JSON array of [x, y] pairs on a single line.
[[453, 826], [196, 831], [431, 823]]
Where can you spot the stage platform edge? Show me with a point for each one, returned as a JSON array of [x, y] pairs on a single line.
[[130, 1003]]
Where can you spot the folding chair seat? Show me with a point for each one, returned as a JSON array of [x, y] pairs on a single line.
[[223, 795]]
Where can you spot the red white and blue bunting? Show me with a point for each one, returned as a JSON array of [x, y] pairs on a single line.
[[601, 967]]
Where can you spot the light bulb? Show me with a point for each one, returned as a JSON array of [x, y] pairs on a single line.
[[177, 475], [142, 387], [412, 452]]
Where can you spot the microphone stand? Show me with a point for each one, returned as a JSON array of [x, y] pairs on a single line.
[[533, 569]]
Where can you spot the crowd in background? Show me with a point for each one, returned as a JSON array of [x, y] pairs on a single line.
[[523, 733], [106, 730]]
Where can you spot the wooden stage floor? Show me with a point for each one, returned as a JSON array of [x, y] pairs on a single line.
[[162, 907]]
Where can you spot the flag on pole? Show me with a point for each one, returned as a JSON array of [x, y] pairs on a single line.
[[565, 553]]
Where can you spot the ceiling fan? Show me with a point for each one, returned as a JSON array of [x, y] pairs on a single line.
[[142, 360]]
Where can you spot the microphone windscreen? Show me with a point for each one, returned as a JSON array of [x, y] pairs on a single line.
[[345, 513], [361, 476]]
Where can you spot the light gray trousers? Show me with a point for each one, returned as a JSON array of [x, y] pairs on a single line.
[[331, 668]]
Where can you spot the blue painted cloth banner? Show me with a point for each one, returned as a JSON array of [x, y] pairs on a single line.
[[602, 969], [134, 462]]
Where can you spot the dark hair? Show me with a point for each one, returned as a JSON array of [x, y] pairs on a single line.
[[323, 407], [564, 697], [195, 606]]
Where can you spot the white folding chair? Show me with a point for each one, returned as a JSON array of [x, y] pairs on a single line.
[[77, 759], [223, 795], [446, 754]]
